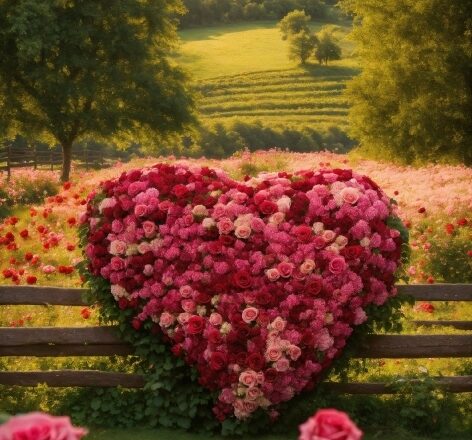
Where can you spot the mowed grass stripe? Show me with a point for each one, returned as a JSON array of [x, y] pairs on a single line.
[[277, 112], [286, 121], [282, 83], [274, 105], [289, 88], [279, 95]]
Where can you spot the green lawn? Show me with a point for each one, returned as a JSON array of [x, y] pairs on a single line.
[[240, 48], [242, 73]]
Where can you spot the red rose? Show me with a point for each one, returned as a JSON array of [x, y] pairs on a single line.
[[303, 233], [31, 279], [314, 285], [218, 361], [255, 361], [195, 325], [136, 323], [242, 279], [180, 191], [352, 252], [267, 207]]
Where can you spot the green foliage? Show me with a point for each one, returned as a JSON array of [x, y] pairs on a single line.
[[294, 23], [447, 259], [71, 69], [301, 46], [413, 99], [223, 140], [205, 12], [327, 48]]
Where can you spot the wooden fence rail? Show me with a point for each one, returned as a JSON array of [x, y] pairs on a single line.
[[15, 157], [105, 341]]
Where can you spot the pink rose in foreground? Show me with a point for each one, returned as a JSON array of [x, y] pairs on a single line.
[[39, 426], [329, 424]]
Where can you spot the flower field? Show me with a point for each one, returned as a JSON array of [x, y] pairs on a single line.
[[39, 246]]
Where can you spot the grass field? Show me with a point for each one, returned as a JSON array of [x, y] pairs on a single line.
[[242, 73]]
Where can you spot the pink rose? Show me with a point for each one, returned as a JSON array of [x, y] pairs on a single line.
[[186, 291], [208, 223], [199, 211], [295, 352], [253, 393], [216, 319], [165, 205], [307, 267], [257, 224], [337, 265], [36, 425], [250, 314], [248, 378], [117, 247], [243, 231], [148, 270], [285, 269], [227, 396], [350, 195], [149, 228], [166, 320], [282, 365], [117, 263], [279, 324], [116, 226], [140, 210], [319, 242], [225, 225], [188, 305], [328, 235], [273, 354], [329, 424], [273, 274]]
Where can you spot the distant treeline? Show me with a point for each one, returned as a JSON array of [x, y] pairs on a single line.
[[206, 12]]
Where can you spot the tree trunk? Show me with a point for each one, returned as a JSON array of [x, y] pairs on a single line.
[[66, 161]]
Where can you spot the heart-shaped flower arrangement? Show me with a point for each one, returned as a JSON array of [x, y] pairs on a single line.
[[257, 284]]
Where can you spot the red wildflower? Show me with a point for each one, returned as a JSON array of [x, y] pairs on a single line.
[[422, 210], [28, 256], [70, 247], [71, 221], [31, 279], [67, 185], [24, 233], [85, 312], [449, 228], [7, 273], [462, 222]]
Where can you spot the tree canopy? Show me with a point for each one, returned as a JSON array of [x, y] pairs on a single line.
[[413, 99], [327, 48], [293, 23], [73, 68]]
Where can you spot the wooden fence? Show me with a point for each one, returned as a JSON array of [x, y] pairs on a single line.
[[18, 157], [104, 341]]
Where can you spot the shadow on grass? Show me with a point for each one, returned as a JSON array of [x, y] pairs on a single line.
[[315, 70]]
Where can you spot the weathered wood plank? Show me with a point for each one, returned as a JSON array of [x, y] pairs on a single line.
[[72, 378], [438, 292], [24, 336], [454, 384], [460, 325], [33, 295], [77, 341], [416, 346], [67, 350], [91, 378]]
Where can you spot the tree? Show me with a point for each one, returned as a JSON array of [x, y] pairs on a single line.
[[294, 23], [71, 69], [327, 48], [413, 99], [301, 46]]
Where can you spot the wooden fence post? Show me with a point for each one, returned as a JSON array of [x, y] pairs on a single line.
[[8, 161]]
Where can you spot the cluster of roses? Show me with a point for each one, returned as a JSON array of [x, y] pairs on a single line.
[[258, 284]]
